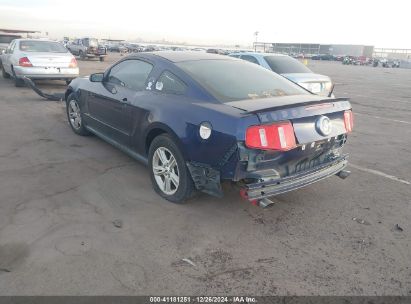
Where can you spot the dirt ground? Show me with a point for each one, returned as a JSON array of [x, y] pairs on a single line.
[[60, 194]]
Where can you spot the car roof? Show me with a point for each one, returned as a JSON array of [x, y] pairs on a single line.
[[33, 39], [179, 56], [258, 54]]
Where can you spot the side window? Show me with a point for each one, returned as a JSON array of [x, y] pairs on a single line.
[[12, 46], [250, 58], [9, 47], [131, 74], [170, 83]]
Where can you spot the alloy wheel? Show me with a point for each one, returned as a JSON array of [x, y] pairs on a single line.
[[165, 170], [74, 114]]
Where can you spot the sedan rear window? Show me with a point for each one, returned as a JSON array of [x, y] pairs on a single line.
[[42, 46], [229, 80], [286, 65]]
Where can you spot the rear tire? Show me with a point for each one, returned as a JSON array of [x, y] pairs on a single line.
[[18, 83], [82, 55], [168, 162], [101, 59], [75, 116]]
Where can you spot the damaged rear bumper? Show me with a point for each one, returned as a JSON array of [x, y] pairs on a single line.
[[275, 186]]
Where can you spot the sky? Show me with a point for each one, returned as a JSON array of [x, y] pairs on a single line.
[[211, 22]]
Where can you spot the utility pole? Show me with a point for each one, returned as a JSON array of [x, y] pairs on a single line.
[[256, 38]]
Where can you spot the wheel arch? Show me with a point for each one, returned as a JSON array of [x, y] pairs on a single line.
[[68, 92], [157, 129]]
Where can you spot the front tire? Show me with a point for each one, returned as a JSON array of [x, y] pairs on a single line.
[[75, 116], [4, 73], [168, 171]]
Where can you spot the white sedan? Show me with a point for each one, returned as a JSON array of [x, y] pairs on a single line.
[[38, 59]]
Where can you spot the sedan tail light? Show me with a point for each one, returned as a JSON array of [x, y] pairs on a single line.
[[25, 62], [73, 63], [348, 121], [278, 136]]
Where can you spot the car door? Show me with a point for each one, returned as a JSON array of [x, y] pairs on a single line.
[[6, 58], [110, 108], [75, 47]]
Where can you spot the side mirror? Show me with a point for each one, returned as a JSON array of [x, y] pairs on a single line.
[[97, 77]]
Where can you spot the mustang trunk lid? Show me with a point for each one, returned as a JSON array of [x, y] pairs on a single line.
[[302, 110]]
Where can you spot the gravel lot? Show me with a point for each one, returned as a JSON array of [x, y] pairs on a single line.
[[60, 193]]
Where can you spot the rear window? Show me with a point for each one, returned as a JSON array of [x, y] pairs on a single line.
[[91, 42], [42, 46], [229, 80], [285, 65]]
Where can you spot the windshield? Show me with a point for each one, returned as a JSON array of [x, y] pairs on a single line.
[[230, 80], [7, 38], [42, 46], [286, 65]]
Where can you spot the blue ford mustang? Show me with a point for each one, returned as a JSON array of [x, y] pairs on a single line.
[[197, 119]]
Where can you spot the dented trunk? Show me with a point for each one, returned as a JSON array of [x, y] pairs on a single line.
[[317, 155]]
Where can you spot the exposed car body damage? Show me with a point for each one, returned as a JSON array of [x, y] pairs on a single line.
[[206, 178], [266, 133]]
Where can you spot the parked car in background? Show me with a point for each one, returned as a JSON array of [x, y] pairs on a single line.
[[38, 59], [291, 69], [198, 49], [215, 51], [323, 57], [117, 47], [133, 47], [348, 60], [151, 48], [87, 48], [197, 119], [6, 39]]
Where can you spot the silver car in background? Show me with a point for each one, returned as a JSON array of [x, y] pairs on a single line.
[[37, 59], [291, 69]]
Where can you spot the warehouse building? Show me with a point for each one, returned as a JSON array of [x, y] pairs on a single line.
[[315, 48], [401, 54]]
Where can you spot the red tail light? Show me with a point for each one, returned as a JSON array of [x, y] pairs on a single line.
[[73, 63], [279, 136], [348, 121], [25, 62]]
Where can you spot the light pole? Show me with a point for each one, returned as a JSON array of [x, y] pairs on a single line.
[[255, 43]]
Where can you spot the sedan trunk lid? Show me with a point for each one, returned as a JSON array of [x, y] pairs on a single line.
[[49, 60]]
